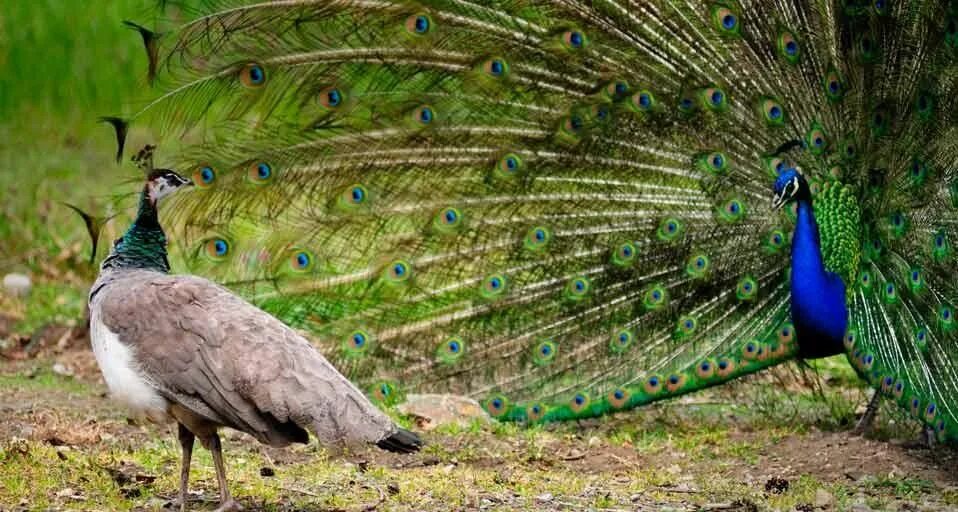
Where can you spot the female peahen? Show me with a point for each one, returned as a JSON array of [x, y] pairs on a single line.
[[561, 207], [181, 348]]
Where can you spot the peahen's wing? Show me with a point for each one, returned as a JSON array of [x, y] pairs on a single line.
[[558, 206], [225, 360]]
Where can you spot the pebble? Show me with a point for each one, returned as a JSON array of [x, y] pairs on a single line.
[[823, 498], [17, 285], [433, 410], [62, 369]]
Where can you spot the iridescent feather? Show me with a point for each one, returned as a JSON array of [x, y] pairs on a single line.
[[562, 207]]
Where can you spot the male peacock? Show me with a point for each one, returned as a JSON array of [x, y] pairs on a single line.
[[561, 207], [183, 348]]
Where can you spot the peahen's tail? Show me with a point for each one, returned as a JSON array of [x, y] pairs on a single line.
[[562, 207]]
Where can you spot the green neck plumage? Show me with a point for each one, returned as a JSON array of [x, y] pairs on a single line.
[[143, 246]]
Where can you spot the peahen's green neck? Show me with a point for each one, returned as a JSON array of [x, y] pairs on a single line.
[[143, 246]]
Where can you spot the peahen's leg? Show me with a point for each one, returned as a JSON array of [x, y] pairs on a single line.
[[186, 443], [227, 504], [865, 423]]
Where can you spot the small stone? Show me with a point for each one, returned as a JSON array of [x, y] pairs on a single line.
[[17, 285], [823, 499], [860, 507], [545, 497], [433, 410], [62, 369], [65, 493]]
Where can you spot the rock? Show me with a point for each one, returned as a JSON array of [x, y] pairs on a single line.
[[860, 507], [62, 369], [545, 497], [17, 285], [432, 410], [823, 499]]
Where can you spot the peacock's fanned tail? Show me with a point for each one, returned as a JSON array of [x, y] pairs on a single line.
[[563, 207]]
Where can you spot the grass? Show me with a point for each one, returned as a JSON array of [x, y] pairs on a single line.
[[687, 456]]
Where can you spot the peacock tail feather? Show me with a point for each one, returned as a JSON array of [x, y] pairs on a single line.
[[562, 207]]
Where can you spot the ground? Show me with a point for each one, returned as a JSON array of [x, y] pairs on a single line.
[[766, 444]]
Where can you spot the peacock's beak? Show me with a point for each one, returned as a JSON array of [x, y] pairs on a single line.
[[778, 202]]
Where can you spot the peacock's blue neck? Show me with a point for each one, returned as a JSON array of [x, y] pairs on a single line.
[[143, 246], [818, 296]]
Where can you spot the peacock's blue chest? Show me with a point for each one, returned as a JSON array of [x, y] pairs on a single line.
[[818, 296]]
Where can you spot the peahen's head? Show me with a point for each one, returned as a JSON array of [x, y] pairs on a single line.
[[163, 182], [789, 186]]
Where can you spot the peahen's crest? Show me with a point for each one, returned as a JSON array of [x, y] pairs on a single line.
[[562, 207]]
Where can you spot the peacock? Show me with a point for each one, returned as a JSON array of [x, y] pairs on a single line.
[[561, 207]]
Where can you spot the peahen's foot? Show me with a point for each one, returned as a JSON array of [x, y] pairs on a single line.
[[229, 505], [864, 424]]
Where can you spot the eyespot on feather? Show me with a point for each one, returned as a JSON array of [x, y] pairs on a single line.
[[579, 402], [497, 405], [621, 341], [574, 39], [619, 397], [537, 238], [301, 260], [331, 98], [419, 24], [204, 176], [726, 20], [451, 350], [252, 75], [260, 173], [217, 249], [493, 287]]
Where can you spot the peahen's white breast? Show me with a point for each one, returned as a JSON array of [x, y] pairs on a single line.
[[123, 377]]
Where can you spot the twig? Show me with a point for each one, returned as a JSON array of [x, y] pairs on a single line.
[[301, 491], [374, 506], [575, 457], [677, 490]]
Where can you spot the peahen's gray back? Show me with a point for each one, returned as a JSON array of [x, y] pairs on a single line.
[[562, 207]]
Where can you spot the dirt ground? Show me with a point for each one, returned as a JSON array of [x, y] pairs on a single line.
[[65, 446]]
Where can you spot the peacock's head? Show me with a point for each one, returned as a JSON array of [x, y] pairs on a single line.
[[789, 186], [163, 182]]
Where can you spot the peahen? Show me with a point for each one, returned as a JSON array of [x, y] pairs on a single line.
[[562, 207], [181, 348]]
